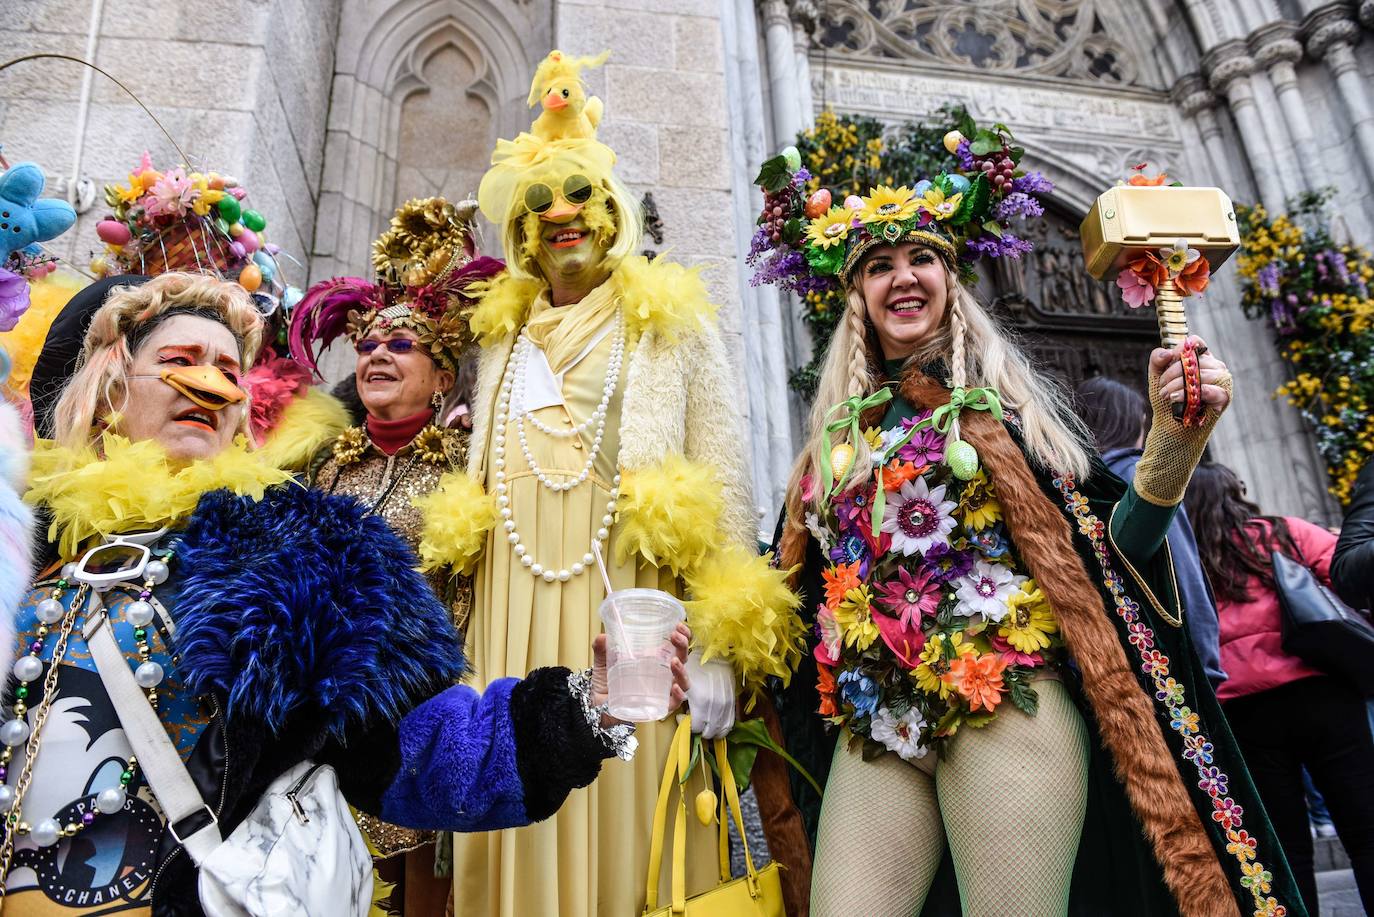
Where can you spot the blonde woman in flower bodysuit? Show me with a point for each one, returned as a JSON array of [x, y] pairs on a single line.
[[997, 627]]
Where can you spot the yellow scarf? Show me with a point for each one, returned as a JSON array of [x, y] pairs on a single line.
[[134, 487], [563, 332]]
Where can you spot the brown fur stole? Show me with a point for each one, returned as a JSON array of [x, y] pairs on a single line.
[[1125, 715]]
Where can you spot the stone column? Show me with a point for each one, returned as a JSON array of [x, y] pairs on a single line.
[[804, 15], [1331, 36], [1276, 51], [1196, 101], [1228, 71], [782, 71]]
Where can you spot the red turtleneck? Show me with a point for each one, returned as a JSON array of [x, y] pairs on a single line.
[[391, 435]]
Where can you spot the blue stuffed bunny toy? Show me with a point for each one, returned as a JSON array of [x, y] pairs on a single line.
[[24, 219]]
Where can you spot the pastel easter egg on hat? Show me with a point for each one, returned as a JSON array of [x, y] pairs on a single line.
[[250, 278], [254, 220], [818, 203], [792, 157], [959, 183], [292, 296], [249, 240], [238, 251], [952, 140], [922, 187], [854, 202], [962, 459], [229, 208], [113, 232], [841, 458], [235, 230]]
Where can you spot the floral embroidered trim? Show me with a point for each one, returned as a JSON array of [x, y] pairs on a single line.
[[1226, 812]]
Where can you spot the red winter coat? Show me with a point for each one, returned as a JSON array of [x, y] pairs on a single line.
[[1251, 632]]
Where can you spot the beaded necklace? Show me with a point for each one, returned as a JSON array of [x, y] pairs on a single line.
[[17, 731]]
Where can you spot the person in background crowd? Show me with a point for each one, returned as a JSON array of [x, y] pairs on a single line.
[[1352, 568], [1285, 714], [1118, 418]]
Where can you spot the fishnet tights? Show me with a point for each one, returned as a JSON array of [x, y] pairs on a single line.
[[1011, 797]]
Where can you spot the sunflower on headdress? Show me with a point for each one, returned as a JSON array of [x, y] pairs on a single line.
[[830, 228], [940, 205], [888, 205]]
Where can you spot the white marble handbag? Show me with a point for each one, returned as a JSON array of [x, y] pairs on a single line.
[[298, 852]]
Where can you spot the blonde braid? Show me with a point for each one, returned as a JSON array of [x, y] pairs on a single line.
[[858, 348], [958, 360]]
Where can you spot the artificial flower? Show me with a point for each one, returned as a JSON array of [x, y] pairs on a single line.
[[852, 549], [888, 205], [1178, 257], [828, 629], [926, 446], [1029, 620], [904, 640], [918, 517], [897, 472], [991, 542], [978, 506], [909, 597], [830, 228], [901, 734], [1194, 278], [1148, 266], [838, 580], [14, 299], [1011, 654], [932, 675], [133, 192], [947, 563], [204, 197], [1135, 290], [940, 205], [808, 488], [855, 616], [825, 686], [858, 690], [986, 590], [171, 194], [1139, 179], [978, 679], [854, 509]]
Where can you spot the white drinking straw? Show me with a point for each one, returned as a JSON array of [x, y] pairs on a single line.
[[615, 610]]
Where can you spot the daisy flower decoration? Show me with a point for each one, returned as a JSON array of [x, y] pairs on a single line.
[[830, 228], [1178, 257], [986, 590], [910, 597], [919, 518], [901, 734], [888, 205]]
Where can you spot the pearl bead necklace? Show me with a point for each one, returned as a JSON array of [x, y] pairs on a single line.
[[515, 376], [27, 669]]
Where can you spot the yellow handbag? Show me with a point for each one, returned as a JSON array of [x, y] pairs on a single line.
[[757, 894]]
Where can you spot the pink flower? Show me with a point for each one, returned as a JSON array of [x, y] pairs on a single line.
[[1136, 291], [808, 488], [1011, 654], [170, 194], [906, 641], [827, 650], [910, 598]]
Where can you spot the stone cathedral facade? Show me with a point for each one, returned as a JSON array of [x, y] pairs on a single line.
[[334, 112]]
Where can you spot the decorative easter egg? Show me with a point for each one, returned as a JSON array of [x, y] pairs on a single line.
[[958, 183], [706, 807], [818, 203], [221, 226], [254, 220], [235, 230], [229, 208], [841, 458], [216, 181], [951, 141], [238, 191], [250, 278], [238, 251], [854, 202], [266, 265], [962, 459], [922, 187], [792, 157], [249, 240], [113, 232], [292, 296]]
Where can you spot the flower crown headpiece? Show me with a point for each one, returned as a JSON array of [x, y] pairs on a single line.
[[425, 261], [804, 243]]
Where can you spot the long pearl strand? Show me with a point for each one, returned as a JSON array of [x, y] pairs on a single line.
[[515, 375]]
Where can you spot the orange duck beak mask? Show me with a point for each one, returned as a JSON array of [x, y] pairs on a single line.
[[207, 386]]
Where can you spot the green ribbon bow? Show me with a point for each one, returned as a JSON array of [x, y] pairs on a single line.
[[854, 409], [941, 419]]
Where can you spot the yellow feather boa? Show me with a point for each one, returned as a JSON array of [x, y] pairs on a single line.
[[669, 514], [660, 296], [24, 342], [742, 609], [457, 516], [307, 424], [134, 487]]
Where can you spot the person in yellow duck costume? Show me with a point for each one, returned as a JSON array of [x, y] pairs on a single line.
[[605, 418]]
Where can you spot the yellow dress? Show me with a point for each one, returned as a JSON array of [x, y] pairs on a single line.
[[591, 857]]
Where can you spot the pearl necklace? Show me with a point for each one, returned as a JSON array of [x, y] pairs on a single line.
[[27, 668], [513, 381]]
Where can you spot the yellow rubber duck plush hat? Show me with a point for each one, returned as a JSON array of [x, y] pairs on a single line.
[[558, 171]]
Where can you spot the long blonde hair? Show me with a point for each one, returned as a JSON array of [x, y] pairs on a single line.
[[99, 388], [979, 353]]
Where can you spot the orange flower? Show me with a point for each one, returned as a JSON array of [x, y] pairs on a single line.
[[979, 679], [839, 581], [896, 473], [825, 685], [1143, 180], [1150, 269], [1194, 278]]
